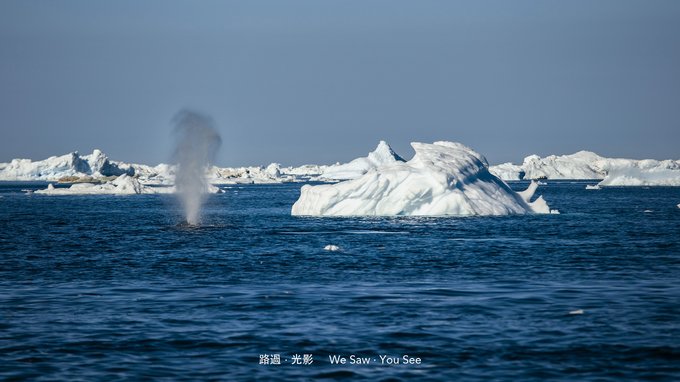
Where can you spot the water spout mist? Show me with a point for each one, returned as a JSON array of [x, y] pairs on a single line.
[[197, 144]]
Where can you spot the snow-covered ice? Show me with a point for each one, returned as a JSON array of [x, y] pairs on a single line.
[[382, 155], [122, 185], [581, 165], [507, 171], [443, 178], [71, 165], [588, 165], [97, 167], [643, 173]]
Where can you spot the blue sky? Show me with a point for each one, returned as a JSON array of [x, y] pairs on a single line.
[[322, 81]]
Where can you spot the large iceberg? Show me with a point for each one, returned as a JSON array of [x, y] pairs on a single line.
[[382, 155], [443, 178]]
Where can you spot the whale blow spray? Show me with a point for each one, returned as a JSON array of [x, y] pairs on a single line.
[[197, 145]]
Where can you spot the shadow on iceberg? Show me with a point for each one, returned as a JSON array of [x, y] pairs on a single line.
[[443, 178]]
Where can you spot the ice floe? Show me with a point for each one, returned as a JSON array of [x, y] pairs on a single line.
[[443, 178], [122, 185]]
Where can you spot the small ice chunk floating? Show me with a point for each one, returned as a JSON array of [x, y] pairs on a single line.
[[443, 178]]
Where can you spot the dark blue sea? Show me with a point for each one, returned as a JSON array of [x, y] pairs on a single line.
[[115, 288]]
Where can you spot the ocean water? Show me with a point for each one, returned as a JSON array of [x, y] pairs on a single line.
[[114, 288]]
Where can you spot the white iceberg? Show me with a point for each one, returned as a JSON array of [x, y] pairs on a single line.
[[443, 178], [581, 165], [382, 155], [305, 172], [642, 173], [162, 174], [507, 171], [585, 165], [273, 173], [592, 187], [71, 165]]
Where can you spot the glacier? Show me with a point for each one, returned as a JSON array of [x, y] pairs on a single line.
[[443, 178]]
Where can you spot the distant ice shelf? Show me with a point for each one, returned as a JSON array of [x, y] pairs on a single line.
[[98, 168], [586, 165]]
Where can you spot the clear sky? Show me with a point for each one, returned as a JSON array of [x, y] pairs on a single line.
[[322, 81]]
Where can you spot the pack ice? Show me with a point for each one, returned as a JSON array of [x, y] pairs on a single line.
[[96, 167], [443, 178]]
